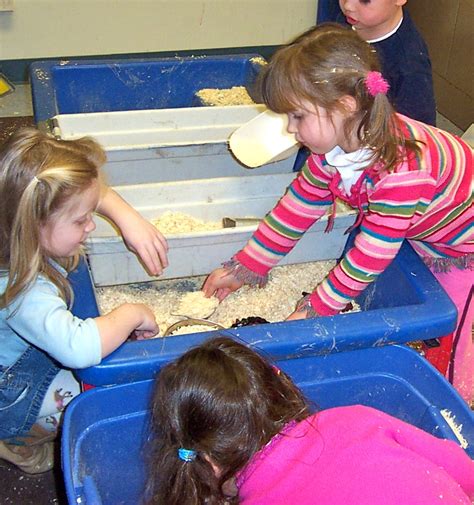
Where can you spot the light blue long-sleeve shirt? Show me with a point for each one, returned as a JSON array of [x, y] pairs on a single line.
[[41, 317]]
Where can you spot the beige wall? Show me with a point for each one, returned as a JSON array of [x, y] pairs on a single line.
[[446, 26], [54, 28]]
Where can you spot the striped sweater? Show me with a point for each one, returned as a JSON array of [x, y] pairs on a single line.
[[427, 199]]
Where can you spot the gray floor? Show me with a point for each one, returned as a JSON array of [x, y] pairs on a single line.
[[18, 103]]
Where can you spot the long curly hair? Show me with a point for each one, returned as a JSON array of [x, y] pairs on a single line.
[[224, 401]]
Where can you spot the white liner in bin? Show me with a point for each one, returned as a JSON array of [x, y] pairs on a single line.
[[178, 160], [166, 144], [140, 129], [199, 253]]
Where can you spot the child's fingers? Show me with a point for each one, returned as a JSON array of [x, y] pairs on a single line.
[[209, 288], [214, 281], [160, 244], [143, 334], [222, 293], [220, 283], [151, 260], [154, 255], [149, 244], [149, 328], [161, 247]]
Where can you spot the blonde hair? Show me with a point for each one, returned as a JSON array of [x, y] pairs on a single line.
[[323, 65], [38, 174]]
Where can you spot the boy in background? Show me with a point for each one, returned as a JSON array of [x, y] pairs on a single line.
[[403, 53]]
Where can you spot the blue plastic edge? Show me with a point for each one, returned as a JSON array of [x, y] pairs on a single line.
[[431, 387], [434, 317], [41, 74]]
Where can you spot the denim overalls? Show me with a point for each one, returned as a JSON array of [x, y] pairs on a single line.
[[23, 386]]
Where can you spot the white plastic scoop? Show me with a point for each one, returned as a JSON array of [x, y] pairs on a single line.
[[264, 139]]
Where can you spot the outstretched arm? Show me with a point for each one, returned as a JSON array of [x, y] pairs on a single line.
[[139, 234], [118, 324], [42, 318], [306, 200]]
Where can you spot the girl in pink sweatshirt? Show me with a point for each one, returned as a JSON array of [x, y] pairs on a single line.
[[231, 428]]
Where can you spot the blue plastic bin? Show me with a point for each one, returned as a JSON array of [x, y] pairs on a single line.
[[105, 429], [81, 86], [405, 303]]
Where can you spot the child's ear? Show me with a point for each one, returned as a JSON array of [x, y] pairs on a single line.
[[349, 103], [400, 3]]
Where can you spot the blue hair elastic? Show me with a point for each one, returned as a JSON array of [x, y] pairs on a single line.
[[186, 454]]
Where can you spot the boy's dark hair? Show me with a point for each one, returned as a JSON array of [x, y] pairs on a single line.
[[224, 401]]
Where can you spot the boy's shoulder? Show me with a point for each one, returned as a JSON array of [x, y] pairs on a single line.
[[406, 43]]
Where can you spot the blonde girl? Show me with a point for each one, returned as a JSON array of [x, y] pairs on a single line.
[[406, 180], [49, 192]]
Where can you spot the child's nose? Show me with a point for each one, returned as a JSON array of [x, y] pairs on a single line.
[[291, 128], [345, 5], [91, 226]]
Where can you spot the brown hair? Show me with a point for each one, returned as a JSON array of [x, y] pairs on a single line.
[[38, 173], [224, 401], [323, 65]]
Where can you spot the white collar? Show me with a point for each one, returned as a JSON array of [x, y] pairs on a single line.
[[387, 35], [356, 160], [349, 165]]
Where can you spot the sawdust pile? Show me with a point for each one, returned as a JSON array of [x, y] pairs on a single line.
[[237, 95], [178, 222], [274, 302]]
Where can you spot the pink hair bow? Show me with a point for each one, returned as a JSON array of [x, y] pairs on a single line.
[[375, 83]]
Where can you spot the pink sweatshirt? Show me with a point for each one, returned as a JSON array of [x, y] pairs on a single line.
[[357, 456]]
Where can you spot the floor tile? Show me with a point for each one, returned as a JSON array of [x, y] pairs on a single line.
[[17, 103], [18, 488]]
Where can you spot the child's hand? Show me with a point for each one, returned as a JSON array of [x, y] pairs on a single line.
[[147, 241], [116, 326], [304, 309], [143, 335], [148, 328], [220, 283], [139, 234]]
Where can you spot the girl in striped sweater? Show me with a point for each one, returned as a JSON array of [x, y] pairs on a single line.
[[407, 180]]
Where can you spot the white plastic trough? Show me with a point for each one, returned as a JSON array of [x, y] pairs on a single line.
[[178, 160]]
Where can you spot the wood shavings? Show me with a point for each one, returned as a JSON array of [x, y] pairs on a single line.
[[450, 419], [195, 304], [259, 60], [274, 302], [179, 222], [237, 95]]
